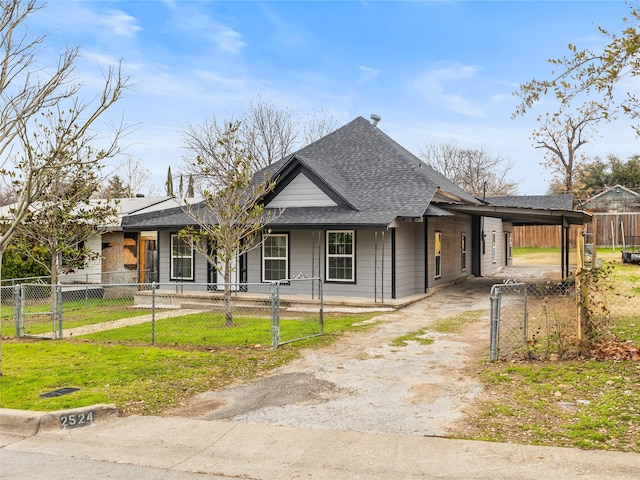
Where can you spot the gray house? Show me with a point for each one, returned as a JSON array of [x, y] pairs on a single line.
[[614, 199], [362, 213]]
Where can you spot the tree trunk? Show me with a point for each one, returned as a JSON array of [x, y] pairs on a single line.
[[2, 248], [228, 314]]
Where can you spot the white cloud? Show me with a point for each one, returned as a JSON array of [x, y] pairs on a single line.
[[435, 86], [227, 39], [120, 23], [368, 73], [192, 21]]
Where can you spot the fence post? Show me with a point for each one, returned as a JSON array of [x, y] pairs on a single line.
[[525, 317], [16, 308], [275, 314], [154, 285], [321, 296], [59, 310], [494, 319], [22, 308]]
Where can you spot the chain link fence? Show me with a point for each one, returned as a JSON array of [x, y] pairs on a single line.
[[113, 277], [177, 314], [540, 320], [531, 319]]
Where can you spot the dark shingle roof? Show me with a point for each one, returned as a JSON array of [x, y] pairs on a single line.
[[371, 172], [547, 202], [374, 179]]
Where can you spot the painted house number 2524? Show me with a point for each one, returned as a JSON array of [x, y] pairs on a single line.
[[77, 419]]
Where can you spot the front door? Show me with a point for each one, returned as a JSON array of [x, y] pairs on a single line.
[[215, 273]]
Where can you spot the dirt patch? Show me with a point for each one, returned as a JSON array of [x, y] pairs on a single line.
[[363, 383]]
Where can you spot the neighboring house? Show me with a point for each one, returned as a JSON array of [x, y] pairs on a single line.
[[362, 213], [122, 257], [614, 199]]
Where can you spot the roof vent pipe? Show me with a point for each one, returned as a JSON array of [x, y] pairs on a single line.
[[375, 118]]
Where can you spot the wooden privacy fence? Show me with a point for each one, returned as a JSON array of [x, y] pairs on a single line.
[[611, 229], [542, 235]]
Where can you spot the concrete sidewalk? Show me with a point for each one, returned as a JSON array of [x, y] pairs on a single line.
[[180, 447]]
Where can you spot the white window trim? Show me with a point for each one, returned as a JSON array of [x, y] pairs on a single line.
[[494, 251], [463, 251], [437, 265], [352, 256], [265, 258], [175, 237]]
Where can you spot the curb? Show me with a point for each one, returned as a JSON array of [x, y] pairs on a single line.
[[27, 423]]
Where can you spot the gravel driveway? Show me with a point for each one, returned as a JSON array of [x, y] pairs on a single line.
[[362, 383]]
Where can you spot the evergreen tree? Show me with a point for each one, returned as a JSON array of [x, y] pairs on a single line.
[[169, 183], [190, 193]]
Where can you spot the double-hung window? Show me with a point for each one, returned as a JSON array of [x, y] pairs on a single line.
[[275, 257], [340, 256], [438, 255], [181, 259]]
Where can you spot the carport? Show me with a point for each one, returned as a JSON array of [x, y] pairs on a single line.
[[520, 211]]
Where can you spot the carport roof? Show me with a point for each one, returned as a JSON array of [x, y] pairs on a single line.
[[525, 216]]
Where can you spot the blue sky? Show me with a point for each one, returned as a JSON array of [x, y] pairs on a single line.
[[435, 71]]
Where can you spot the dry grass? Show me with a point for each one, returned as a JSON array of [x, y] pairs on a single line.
[[587, 404]]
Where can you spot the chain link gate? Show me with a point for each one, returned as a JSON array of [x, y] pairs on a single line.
[[37, 310], [508, 303], [537, 320]]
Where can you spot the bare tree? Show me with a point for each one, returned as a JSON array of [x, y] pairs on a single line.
[[135, 176], [561, 136], [230, 217], [7, 195], [594, 75], [318, 124], [268, 132], [45, 129], [128, 182], [474, 170]]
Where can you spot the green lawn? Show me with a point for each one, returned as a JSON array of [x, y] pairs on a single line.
[[135, 379], [586, 404], [209, 329], [75, 313], [580, 402], [141, 379]]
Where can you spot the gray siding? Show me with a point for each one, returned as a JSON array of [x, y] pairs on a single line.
[[488, 264], [164, 259], [373, 272], [409, 259], [307, 257], [451, 229], [301, 192]]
